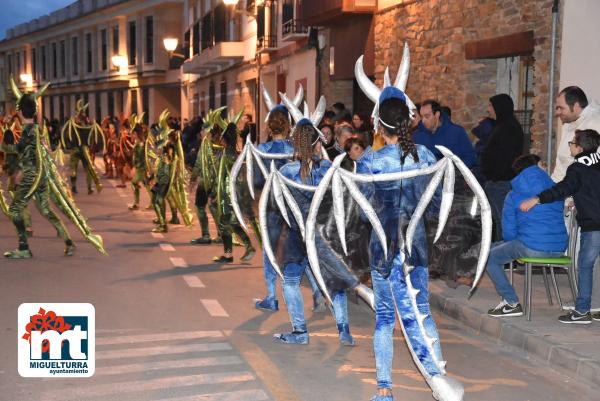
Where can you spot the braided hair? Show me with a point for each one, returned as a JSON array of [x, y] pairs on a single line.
[[305, 140], [395, 121]]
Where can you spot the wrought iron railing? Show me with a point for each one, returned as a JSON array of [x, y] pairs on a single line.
[[294, 27]]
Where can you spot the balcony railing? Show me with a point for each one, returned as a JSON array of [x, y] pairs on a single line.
[[266, 43], [293, 29]]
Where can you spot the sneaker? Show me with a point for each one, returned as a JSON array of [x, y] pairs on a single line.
[[160, 229], [201, 241], [574, 317], [248, 255], [295, 337], [18, 254], [133, 207], [268, 304], [222, 259], [174, 220], [74, 190], [90, 191], [596, 316], [504, 309], [217, 240], [345, 336], [70, 250]]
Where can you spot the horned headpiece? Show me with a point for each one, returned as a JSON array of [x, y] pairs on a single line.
[[306, 118], [271, 105], [373, 92], [18, 94]]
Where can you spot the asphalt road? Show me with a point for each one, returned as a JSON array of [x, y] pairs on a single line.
[[171, 325]]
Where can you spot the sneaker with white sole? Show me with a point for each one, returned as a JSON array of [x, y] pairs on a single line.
[[596, 316], [504, 309], [574, 317]]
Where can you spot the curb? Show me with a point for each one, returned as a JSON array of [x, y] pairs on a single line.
[[552, 354]]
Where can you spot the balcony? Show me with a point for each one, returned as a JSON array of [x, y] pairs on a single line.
[[266, 44], [213, 58], [326, 12], [293, 29]]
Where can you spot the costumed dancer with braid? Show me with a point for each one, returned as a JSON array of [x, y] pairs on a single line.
[[166, 155], [308, 168], [227, 221], [41, 181], [395, 203]]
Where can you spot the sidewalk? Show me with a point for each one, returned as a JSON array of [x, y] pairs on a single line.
[[571, 348]]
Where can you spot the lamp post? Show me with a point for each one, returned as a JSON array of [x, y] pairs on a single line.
[[27, 79], [120, 62]]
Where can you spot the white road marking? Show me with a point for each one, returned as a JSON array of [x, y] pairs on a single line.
[[184, 335], [172, 349], [214, 308], [193, 281], [159, 365], [104, 390], [242, 395], [157, 235], [179, 262], [166, 247]]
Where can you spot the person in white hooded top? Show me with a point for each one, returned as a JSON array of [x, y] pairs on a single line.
[[575, 113]]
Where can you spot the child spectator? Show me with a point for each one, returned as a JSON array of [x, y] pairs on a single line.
[[582, 181]]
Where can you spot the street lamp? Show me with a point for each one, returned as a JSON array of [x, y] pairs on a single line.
[[120, 62], [27, 79], [230, 2], [170, 44]]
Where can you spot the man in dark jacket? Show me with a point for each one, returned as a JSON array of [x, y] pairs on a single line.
[[582, 181], [504, 146], [540, 233], [437, 129]]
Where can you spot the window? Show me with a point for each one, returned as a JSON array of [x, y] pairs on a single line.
[[18, 62], [54, 61], [44, 75], [98, 102], [132, 44], [134, 103], [24, 61], [88, 52], [115, 42], [34, 64], [111, 103], [287, 11], [149, 39], [223, 93], [207, 32], [196, 38], [61, 109], [211, 95], [103, 50], [63, 56], [186, 45], [221, 23], [75, 56], [10, 66], [146, 103]]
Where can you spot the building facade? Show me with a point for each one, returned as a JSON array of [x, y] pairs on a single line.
[[76, 48]]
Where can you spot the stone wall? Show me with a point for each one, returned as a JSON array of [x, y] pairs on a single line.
[[437, 31]]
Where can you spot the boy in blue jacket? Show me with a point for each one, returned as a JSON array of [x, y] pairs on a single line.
[[582, 182], [540, 233]]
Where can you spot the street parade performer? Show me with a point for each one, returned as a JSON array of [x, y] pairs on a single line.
[[140, 164], [392, 189], [42, 182], [83, 139]]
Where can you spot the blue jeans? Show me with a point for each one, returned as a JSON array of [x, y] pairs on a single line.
[[504, 252], [271, 279], [389, 292], [496, 192], [292, 274], [588, 252]]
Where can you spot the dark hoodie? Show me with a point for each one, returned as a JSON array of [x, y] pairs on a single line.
[[582, 183], [505, 143]]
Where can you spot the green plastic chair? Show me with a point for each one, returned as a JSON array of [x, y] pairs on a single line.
[[567, 262]]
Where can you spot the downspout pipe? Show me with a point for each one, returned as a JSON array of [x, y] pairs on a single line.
[[555, 7]]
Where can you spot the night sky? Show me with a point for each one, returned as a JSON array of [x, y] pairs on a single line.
[[15, 12]]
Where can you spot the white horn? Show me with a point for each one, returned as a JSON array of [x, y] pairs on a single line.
[[387, 81], [319, 112], [366, 85], [299, 96], [402, 77], [268, 101], [294, 111]]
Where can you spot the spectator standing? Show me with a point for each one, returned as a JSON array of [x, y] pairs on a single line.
[[343, 132], [503, 148], [574, 111]]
